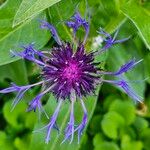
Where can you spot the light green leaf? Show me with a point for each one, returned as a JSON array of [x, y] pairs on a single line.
[[125, 108], [29, 9], [111, 124], [13, 117], [140, 16]]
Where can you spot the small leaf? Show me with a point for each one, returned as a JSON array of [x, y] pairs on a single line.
[[13, 117], [98, 139], [29, 9], [125, 108], [140, 124], [111, 124]]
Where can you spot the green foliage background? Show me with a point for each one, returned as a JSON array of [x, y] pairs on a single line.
[[115, 122]]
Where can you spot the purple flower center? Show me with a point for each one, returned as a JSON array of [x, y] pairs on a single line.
[[71, 71]]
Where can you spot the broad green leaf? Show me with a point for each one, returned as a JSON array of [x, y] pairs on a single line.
[[125, 108], [63, 118], [111, 124], [140, 16], [29, 9], [22, 35]]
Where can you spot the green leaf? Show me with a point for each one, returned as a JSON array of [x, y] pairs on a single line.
[[98, 139], [63, 118], [5, 143], [22, 143], [145, 138], [15, 71], [29, 9], [16, 117], [125, 108], [9, 9], [22, 35], [140, 16], [111, 124], [115, 22], [140, 124]]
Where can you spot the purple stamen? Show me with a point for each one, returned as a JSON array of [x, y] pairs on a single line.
[[81, 127], [123, 69], [52, 123], [109, 40], [69, 131], [76, 22], [21, 90], [46, 25], [126, 88], [31, 54]]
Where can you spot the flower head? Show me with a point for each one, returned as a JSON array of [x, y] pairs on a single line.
[[69, 72]]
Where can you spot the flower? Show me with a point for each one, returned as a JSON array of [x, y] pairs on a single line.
[[69, 72]]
